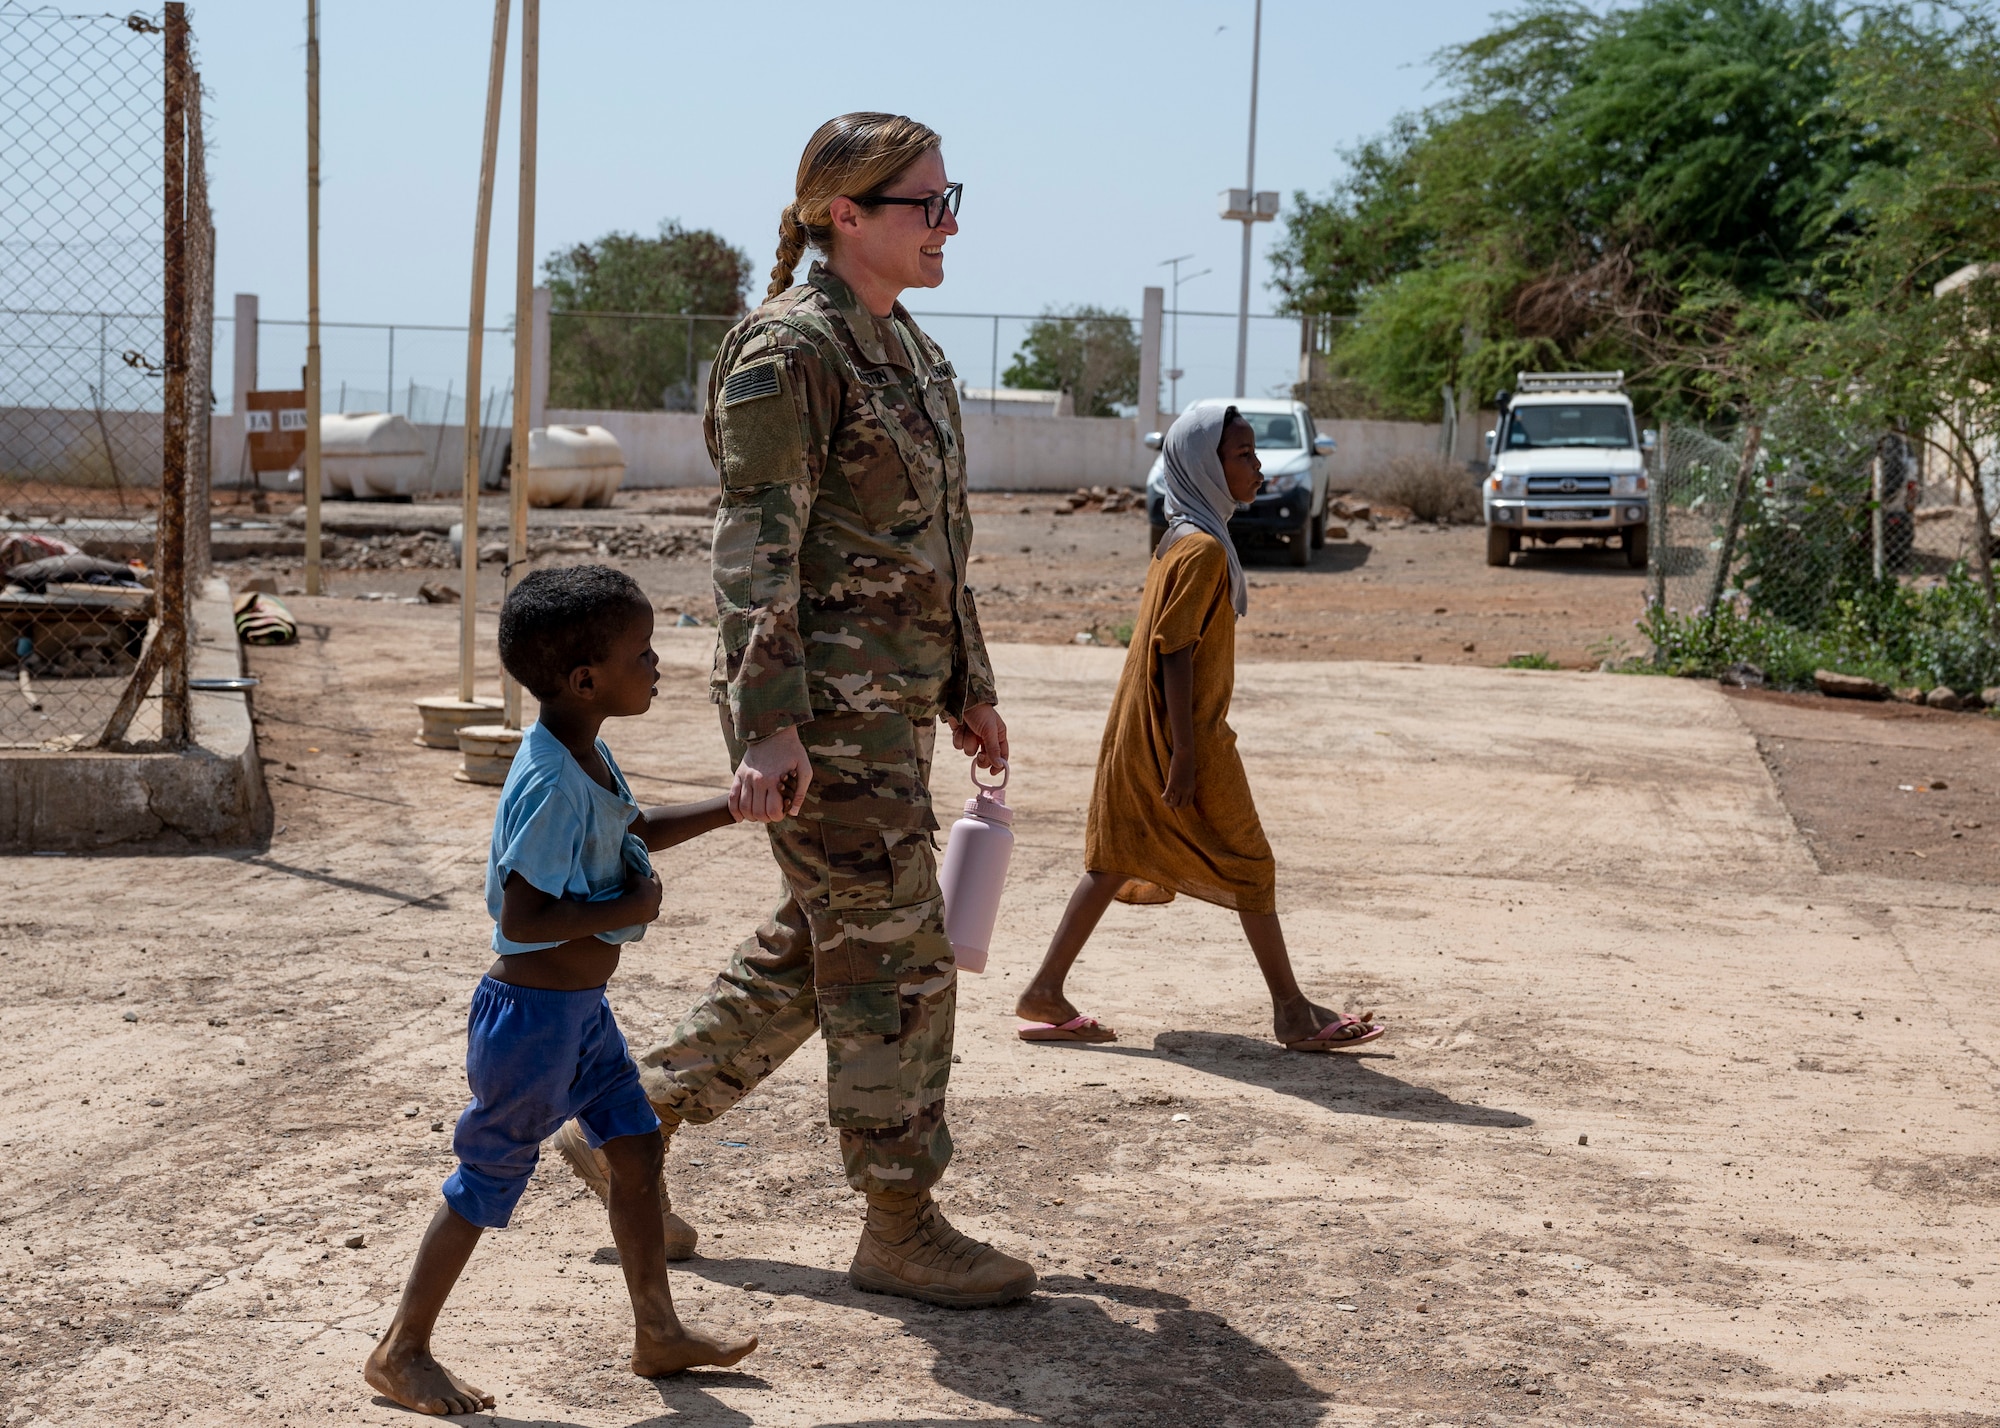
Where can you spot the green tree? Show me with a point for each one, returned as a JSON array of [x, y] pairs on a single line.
[[1600, 190], [640, 364], [1092, 353], [1925, 82]]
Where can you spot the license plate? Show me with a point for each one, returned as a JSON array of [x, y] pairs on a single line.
[[1566, 515]]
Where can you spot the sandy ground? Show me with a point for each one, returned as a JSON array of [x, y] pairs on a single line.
[[1391, 590], [1676, 1124]]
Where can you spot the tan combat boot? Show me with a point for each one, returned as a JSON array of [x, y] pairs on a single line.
[[593, 1170], [909, 1248]]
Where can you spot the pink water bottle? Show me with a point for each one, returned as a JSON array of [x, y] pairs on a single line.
[[975, 871]]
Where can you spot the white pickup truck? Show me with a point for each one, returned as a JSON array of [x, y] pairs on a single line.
[[1568, 460]]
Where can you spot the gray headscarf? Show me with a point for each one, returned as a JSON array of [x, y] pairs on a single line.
[[1197, 492]]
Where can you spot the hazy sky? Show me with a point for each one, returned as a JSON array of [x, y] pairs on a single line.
[[1092, 137]]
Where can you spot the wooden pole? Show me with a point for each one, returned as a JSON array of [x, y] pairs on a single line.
[[475, 342], [1739, 497], [312, 300], [170, 541], [524, 318]]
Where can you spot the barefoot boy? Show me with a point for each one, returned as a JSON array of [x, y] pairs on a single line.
[[567, 883]]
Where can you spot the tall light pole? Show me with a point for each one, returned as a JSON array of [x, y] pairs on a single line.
[[1247, 206], [1174, 372]]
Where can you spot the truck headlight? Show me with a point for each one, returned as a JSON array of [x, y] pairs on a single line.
[[1511, 485]]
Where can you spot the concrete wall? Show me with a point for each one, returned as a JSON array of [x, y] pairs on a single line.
[[661, 448], [209, 794], [1365, 447], [665, 449], [444, 448], [1003, 452], [65, 445]]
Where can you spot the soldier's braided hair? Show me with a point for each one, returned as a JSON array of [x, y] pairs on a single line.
[[856, 155]]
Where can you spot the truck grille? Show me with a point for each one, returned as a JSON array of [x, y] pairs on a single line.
[[1569, 485]]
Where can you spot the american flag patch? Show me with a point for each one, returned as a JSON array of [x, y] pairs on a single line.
[[747, 384]]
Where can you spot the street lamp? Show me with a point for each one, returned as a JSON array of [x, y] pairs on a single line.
[[1247, 206], [1174, 373]]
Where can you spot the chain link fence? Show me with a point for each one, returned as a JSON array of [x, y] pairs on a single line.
[[1805, 543], [106, 321]]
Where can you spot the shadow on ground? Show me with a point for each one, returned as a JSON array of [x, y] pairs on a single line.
[[1349, 1082], [1334, 558], [1077, 1351], [1576, 560]]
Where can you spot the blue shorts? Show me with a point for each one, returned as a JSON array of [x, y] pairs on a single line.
[[535, 1059]]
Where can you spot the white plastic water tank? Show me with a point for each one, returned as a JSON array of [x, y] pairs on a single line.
[[369, 456], [572, 466]]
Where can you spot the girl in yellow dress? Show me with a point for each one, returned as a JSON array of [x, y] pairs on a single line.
[[1171, 811]]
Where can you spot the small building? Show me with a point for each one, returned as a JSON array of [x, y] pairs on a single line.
[[1016, 401]]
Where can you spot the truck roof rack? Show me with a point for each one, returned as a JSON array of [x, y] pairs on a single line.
[[1569, 381]]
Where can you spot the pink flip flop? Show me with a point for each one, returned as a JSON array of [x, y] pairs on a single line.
[[1338, 1036], [1077, 1028]]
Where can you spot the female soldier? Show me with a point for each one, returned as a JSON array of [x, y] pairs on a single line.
[[846, 630]]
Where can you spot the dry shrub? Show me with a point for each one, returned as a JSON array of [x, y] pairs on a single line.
[[1430, 487]]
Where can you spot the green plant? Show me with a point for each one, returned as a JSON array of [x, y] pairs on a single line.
[[1122, 632], [1883, 630], [1536, 660]]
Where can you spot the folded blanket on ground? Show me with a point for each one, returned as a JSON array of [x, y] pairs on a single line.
[[38, 575]]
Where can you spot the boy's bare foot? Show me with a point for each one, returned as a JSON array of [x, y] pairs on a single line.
[[656, 1355], [411, 1377], [1051, 1007]]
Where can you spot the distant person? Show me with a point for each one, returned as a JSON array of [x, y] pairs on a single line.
[[846, 632], [568, 883], [1171, 811]]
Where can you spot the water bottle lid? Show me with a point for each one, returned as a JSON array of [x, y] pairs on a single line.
[[991, 801]]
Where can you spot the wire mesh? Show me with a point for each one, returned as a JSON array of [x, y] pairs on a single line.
[[1807, 543], [84, 367]]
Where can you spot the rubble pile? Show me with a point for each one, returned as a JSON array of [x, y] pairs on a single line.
[[1107, 500], [634, 542]]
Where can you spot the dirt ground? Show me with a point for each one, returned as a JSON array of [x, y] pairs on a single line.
[[1687, 1114], [1392, 590]]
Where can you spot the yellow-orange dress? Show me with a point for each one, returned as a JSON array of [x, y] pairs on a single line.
[[1213, 849]]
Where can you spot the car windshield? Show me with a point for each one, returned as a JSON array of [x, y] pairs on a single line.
[[1599, 424], [1276, 431]]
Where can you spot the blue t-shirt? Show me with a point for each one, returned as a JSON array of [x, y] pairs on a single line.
[[564, 832]]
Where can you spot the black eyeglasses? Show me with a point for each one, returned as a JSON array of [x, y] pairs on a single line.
[[935, 207]]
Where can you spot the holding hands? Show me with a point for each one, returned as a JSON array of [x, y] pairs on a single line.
[[772, 779]]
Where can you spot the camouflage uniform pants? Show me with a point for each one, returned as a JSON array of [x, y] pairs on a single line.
[[856, 948]]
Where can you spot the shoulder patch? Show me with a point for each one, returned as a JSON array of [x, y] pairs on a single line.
[[748, 383]]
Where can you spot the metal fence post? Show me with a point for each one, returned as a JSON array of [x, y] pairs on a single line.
[[1656, 527], [170, 573], [201, 340], [314, 405]]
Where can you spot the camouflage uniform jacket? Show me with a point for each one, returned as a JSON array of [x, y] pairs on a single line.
[[841, 540]]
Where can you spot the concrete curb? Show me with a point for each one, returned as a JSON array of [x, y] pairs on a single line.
[[210, 794]]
